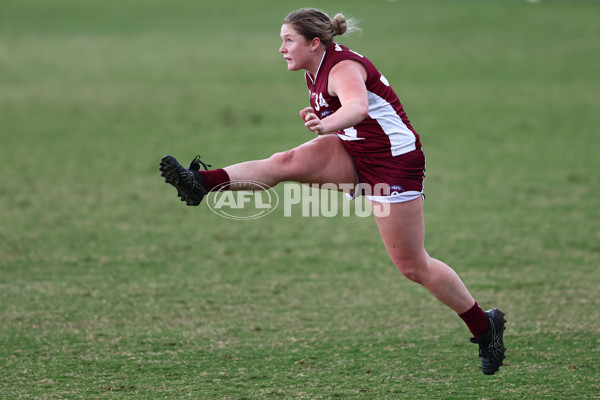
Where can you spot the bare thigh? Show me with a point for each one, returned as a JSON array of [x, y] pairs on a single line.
[[403, 234], [322, 160], [319, 161]]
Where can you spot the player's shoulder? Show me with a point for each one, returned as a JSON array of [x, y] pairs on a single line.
[[339, 50], [341, 53]]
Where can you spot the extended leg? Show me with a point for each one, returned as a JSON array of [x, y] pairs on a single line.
[[319, 161]]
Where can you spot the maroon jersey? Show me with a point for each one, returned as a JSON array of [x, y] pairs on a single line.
[[386, 131]]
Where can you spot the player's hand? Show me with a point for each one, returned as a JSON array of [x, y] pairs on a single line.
[[311, 121]]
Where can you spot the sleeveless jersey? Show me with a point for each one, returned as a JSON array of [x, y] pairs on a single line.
[[386, 131]]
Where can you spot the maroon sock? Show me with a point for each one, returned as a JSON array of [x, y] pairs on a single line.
[[476, 320], [215, 178]]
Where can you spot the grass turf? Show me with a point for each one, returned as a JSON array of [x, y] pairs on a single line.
[[110, 288]]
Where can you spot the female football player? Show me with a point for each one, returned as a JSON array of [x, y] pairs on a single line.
[[363, 137]]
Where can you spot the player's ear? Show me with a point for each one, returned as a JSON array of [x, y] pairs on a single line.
[[314, 44]]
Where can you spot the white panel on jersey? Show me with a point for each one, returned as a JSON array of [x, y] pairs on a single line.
[[402, 139], [350, 134]]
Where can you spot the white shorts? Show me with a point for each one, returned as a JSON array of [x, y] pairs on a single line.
[[395, 197]]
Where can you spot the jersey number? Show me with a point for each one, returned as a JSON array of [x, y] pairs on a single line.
[[320, 101]]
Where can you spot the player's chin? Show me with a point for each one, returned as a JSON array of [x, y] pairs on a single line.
[[292, 67]]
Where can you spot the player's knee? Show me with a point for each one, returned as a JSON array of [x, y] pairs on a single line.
[[412, 269], [283, 161], [282, 158]]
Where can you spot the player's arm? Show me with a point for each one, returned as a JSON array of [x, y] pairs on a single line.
[[347, 82]]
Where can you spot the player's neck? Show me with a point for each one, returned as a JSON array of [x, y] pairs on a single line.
[[313, 69]]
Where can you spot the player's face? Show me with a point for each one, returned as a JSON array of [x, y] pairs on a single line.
[[295, 48]]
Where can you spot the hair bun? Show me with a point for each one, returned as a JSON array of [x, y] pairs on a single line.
[[339, 25], [312, 23]]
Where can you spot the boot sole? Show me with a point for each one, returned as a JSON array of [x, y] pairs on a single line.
[[170, 170]]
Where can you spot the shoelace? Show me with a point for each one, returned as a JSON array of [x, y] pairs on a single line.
[[196, 162]]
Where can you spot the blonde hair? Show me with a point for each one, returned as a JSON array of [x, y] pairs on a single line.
[[312, 23]]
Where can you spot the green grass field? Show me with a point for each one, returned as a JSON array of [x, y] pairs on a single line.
[[110, 288]]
